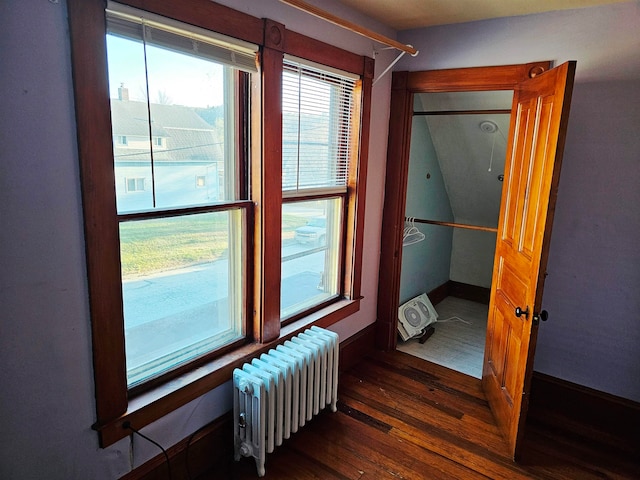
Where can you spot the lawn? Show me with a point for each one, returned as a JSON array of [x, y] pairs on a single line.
[[149, 246]]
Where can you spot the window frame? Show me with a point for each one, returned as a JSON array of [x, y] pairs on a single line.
[[125, 24], [310, 70], [114, 404]]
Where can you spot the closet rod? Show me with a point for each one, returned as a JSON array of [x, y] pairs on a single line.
[[365, 32], [457, 225], [462, 112]]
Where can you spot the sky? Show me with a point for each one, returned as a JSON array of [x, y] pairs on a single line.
[[181, 79]]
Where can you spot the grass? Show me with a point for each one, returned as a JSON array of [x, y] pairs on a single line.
[[151, 246]]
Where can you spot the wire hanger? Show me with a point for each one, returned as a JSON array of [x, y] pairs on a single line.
[[411, 234]]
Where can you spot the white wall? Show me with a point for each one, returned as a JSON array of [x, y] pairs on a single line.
[[47, 399], [592, 292]]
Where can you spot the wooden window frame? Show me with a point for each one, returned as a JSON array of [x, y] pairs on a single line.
[[114, 403], [327, 193]]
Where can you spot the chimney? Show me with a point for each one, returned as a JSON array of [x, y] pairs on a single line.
[[123, 93]]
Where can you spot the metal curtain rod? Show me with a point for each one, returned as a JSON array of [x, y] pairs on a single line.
[[365, 32]]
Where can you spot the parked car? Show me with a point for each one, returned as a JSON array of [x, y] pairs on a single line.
[[315, 231]]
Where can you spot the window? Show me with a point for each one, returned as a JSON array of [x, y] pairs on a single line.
[[213, 205], [181, 268], [317, 107], [134, 184]]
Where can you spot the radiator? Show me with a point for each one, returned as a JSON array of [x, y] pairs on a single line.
[[276, 394]]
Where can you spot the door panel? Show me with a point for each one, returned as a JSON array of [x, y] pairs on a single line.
[[538, 124], [537, 187]]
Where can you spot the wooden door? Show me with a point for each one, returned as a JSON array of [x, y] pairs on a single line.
[[538, 124]]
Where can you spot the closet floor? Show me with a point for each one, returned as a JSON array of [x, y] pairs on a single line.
[[457, 343]]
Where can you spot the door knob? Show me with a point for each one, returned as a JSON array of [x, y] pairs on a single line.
[[543, 315], [520, 312]]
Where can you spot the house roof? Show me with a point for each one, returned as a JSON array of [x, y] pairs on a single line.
[[186, 133], [130, 117]]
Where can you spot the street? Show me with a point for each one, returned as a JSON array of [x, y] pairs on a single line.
[[181, 310]]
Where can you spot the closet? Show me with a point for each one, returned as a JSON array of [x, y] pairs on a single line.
[[536, 135], [454, 184]]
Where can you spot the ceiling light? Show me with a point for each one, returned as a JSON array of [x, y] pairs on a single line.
[[488, 126]]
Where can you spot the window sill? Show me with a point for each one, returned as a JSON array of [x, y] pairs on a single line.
[[154, 404]]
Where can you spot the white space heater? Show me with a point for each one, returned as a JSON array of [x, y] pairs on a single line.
[[279, 392], [414, 316]]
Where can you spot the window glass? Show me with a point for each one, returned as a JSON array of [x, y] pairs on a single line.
[[180, 296], [188, 115], [176, 146], [311, 234]]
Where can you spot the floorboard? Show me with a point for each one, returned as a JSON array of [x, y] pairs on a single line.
[[400, 417]]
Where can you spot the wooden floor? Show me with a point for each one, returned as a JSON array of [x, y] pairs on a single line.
[[400, 417]]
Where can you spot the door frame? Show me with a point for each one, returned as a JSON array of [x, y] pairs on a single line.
[[403, 87]]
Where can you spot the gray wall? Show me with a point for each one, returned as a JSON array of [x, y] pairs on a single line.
[[472, 257], [425, 265], [592, 292]]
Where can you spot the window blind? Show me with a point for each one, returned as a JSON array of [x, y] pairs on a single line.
[[172, 35], [317, 109]]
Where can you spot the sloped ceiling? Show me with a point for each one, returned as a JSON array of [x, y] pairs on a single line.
[[470, 152], [408, 14]]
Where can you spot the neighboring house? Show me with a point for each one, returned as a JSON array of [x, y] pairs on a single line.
[[300, 131], [187, 164], [189, 152]]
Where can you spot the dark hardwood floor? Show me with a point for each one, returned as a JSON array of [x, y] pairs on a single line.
[[400, 417]]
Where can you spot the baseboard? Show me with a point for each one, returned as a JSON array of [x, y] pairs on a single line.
[[211, 447], [469, 292], [581, 411], [438, 294], [356, 347], [459, 290]]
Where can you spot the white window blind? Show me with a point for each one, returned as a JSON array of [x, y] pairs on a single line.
[[180, 37], [317, 109]]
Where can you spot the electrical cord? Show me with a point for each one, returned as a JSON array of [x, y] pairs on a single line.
[[127, 425], [454, 319]]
